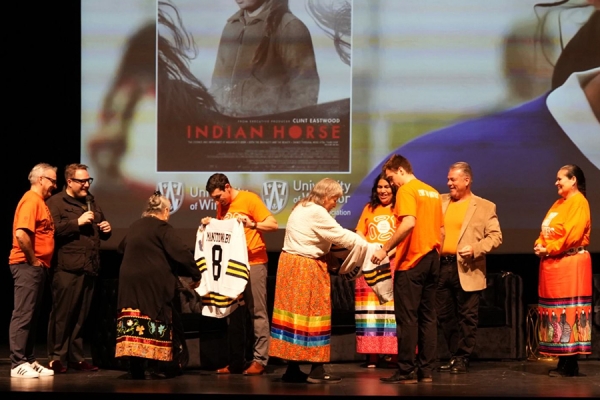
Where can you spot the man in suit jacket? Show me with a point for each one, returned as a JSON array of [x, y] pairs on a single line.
[[472, 231]]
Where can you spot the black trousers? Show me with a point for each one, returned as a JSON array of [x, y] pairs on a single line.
[[414, 307], [457, 312], [71, 302]]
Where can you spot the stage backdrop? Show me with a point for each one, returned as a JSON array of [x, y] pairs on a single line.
[[341, 86]]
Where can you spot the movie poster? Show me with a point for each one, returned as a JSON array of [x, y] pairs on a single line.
[[247, 89]]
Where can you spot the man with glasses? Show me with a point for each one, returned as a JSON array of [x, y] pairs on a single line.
[[29, 261], [80, 226]]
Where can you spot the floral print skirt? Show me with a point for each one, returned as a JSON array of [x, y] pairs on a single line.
[[140, 336]]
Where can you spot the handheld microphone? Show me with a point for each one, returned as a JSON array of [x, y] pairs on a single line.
[[88, 201]]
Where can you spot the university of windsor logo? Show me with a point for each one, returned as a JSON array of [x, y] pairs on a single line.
[[174, 191], [275, 194]]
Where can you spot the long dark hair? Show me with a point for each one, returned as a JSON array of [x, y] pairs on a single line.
[[574, 171], [336, 22], [137, 62], [374, 202], [180, 94]]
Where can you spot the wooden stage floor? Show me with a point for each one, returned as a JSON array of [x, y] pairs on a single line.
[[485, 379]]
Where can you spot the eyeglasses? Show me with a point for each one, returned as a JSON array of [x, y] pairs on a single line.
[[53, 181], [83, 181]]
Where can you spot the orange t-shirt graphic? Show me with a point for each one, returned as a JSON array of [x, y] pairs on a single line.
[[249, 204], [378, 225], [566, 225]]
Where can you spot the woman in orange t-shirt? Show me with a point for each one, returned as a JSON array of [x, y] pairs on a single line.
[[565, 282], [375, 322]]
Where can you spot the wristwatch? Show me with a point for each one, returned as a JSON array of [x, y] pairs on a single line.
[[253, 225]]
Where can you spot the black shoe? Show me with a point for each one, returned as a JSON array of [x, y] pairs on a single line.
[[554, 373], [325, 378], [461, 366], [137, 368], [560, 368], [402, 379], [153, 376], [572, 366], [563, 373], [83, 366], [296, 377], [447, 367], [424, 377], [566, 367]]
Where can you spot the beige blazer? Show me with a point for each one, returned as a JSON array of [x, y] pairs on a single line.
[[481, 230]]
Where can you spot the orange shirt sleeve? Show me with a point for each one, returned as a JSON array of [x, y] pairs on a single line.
[[26, 216], [406, 202]]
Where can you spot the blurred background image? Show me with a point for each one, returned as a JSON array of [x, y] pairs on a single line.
[[415, 66]]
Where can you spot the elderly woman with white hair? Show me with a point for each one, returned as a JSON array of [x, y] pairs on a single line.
[[153, 257], [301, 325]]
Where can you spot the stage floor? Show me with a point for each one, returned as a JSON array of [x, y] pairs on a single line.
[[485, 379]]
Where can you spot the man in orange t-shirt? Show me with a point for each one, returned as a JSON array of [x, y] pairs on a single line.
[[29, 262], [417, 240], [248, 208]]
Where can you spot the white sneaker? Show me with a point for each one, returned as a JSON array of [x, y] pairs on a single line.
[[40, 369], [24, 371]]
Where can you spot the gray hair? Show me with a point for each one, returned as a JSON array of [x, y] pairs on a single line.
[[38, 171], [326, 188], [156, 205], [464, 167]]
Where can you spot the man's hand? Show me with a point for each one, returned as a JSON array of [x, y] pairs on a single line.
[[466, 252], [104, 226], [86, 218], [37, 263], [205, 220], [248, 223]]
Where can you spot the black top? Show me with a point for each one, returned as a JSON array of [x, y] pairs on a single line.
[[153, 256], [76, 248]]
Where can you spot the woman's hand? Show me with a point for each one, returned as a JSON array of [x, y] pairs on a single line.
[[540, 251], [378, 256]]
